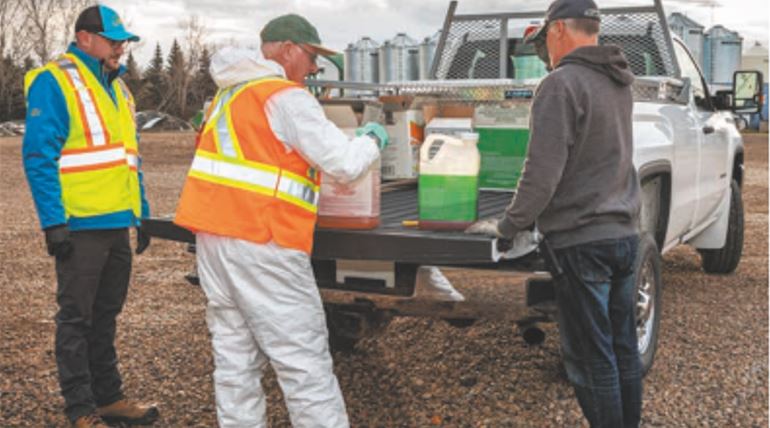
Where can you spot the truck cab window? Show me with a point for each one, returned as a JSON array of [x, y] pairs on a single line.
[[690, 70]]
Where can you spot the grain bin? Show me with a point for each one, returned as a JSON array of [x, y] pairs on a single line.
[[724, 54], [427, 51], [399, 59], [691, 34], [361, 64]]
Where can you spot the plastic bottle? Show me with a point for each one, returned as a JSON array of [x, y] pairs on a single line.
[[353, 205], [449, 179]]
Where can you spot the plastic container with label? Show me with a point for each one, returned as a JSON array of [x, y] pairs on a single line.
[[354, 205], [449, 180]]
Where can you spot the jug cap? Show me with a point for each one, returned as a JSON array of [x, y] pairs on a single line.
[[469, 136]]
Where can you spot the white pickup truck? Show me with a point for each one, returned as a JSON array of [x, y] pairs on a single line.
[[688, 152]]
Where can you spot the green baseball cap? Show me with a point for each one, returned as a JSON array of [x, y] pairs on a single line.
[[296, 29]]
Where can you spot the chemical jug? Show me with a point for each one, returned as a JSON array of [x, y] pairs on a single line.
[[354, 205], [449, 180]]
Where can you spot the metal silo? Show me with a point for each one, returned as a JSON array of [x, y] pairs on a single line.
[[725, 54], [399, 59], [691, 34], [361, 63], [427, 52]]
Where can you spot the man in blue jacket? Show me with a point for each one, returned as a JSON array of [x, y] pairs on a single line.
[[83, 167]]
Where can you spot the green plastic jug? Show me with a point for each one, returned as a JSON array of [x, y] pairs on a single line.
[[449, 179]]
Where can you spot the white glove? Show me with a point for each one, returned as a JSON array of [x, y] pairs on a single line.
[[486, 227]]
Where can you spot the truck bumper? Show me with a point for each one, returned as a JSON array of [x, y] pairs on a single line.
[[515, 295]]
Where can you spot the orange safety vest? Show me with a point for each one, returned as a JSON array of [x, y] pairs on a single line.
[[242, 183]]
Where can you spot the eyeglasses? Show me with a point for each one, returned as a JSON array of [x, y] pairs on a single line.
[[313, 55], [114, 44]]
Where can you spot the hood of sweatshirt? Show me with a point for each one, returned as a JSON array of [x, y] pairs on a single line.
[[606, 59], [231, 66]]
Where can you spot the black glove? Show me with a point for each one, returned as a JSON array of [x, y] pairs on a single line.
[[57, 239], [142, 240]]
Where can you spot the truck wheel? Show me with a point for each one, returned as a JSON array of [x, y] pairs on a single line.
[[649, 287], [347, 327], [725, 260]]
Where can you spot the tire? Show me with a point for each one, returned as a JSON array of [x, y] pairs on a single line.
[[347, 328], [649, 288], [725, 260]]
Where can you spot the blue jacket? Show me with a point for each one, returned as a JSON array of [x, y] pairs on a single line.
[[46, 132]]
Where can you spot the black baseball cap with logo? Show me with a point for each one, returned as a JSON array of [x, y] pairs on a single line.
[[104, 21], [566, 9]]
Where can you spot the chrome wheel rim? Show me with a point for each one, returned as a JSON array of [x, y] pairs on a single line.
[[645, 305]]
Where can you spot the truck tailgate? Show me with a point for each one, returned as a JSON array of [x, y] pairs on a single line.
[[391, 240]]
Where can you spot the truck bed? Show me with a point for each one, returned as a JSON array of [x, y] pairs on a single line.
[[391, 240]]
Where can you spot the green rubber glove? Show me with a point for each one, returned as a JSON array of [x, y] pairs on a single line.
[[375, 130]]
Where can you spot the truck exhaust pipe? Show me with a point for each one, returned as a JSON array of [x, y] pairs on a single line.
[[532, 334]]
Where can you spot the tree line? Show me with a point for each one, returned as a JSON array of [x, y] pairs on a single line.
[[32, 32]]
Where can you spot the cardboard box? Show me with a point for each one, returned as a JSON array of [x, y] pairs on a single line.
[[447, 110], [400, 158], [449, 126]]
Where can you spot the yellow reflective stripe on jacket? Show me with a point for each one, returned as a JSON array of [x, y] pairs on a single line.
[[256, 177], [93, 122]]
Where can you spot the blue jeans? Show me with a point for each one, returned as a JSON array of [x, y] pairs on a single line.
[[596, 297]]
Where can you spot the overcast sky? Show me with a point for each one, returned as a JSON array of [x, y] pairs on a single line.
[[340, 22]]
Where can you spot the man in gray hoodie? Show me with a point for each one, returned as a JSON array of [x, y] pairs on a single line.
[[579, 184]]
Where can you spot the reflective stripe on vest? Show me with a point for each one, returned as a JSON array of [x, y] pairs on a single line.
[[90, 159], [230, 169], [93, 123], [256, 177]]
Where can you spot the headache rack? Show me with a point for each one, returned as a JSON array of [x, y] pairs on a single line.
[[490, 40]]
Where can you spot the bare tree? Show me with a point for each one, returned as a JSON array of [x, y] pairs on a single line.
[[50, 24], [194, 44], [70, 10], [13, 48], [40, 23]]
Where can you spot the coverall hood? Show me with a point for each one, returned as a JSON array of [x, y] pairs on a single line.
[[608, 60], [230, 66]]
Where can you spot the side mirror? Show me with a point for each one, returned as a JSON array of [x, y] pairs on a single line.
[[723, 100], [747, 92]]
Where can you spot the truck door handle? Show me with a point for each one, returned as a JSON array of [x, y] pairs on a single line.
[[708, 129]]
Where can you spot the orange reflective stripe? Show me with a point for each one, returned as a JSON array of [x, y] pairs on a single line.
[[86, 128], [93, 121]]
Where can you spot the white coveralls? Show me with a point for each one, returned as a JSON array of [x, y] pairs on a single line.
[[263, 301]]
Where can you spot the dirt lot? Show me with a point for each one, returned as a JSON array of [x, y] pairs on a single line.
[[711, 368]]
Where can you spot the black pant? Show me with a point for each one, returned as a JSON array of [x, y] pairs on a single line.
[[92, 287]]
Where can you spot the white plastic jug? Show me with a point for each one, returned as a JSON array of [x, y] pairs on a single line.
[[448, 182], [447, 155]]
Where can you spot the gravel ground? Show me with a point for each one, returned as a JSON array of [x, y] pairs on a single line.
[[711, 367]]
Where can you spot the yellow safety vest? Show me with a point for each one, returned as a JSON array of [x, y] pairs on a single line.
[[99, 160]]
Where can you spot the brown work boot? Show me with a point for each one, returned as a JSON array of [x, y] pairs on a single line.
[[129, 412], [90, 421]]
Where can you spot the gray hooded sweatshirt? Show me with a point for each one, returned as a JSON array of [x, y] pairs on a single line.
[[579, 182]]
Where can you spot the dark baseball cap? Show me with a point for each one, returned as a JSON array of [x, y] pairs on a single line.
[[103, 21], [296, 29], [565, 9]]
